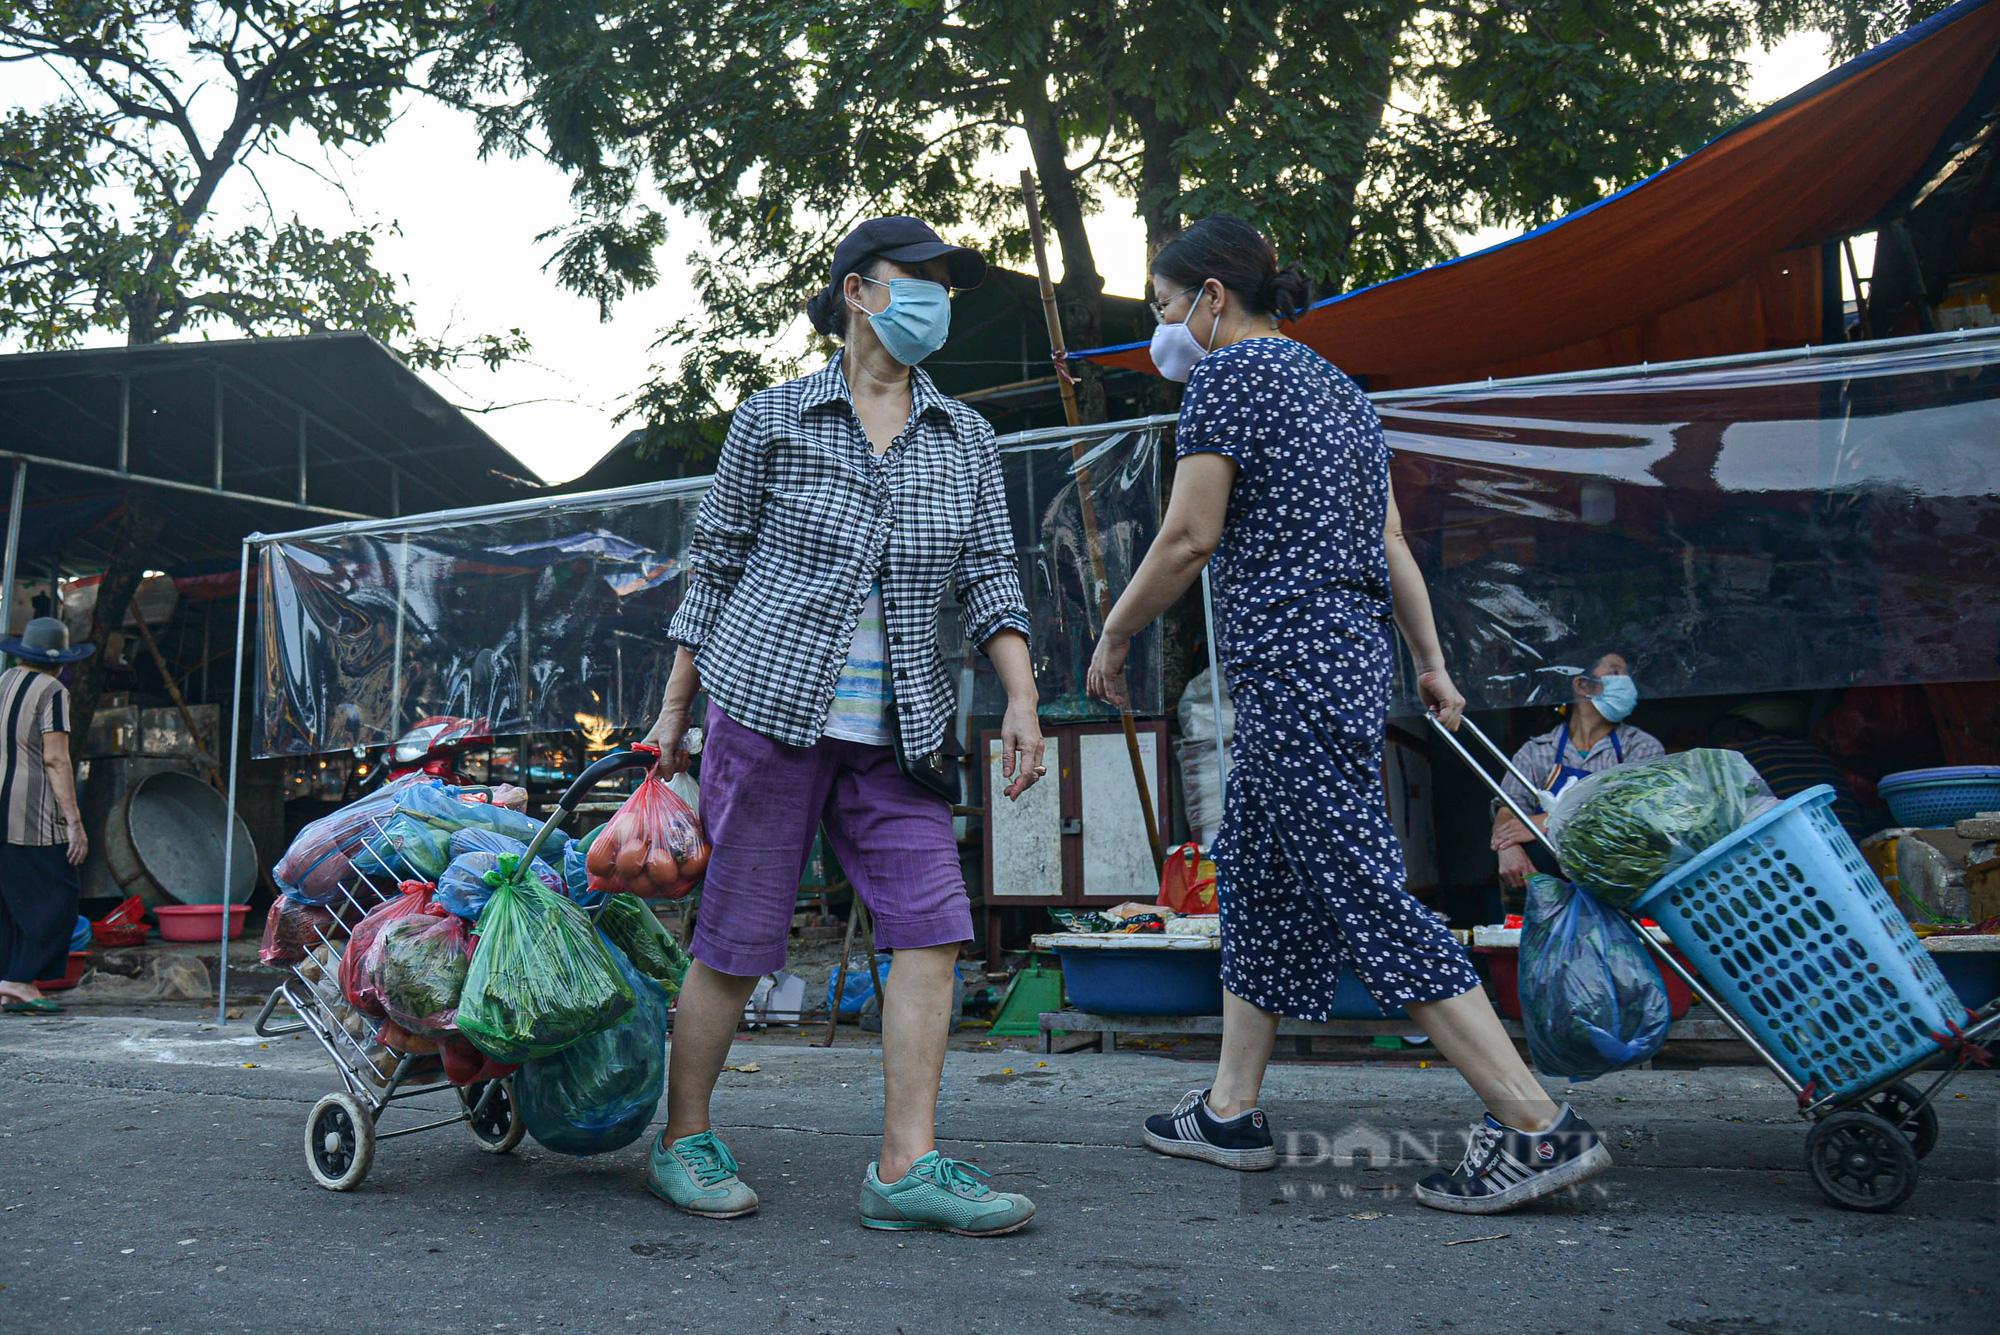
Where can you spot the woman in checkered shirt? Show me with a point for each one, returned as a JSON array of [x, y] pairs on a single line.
[[845, 506]]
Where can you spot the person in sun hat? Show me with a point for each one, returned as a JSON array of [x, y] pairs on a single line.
[[45, 843], [844, 505]]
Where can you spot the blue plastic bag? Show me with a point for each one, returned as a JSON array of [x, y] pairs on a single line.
[[1592, 1000], [860, 989], [463, 887], [406, 849], [600, 1093], [443, 809], [79, 939]]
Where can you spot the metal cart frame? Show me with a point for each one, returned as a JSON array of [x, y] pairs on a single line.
[[343, 1127], [1864, 1145]]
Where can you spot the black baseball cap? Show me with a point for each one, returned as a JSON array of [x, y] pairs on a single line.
[[906, 241]]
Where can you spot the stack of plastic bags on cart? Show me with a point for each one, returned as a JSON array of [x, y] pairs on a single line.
[[461, 948], [1592, 999]]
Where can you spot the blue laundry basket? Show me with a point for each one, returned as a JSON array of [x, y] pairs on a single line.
[[1794, 933]]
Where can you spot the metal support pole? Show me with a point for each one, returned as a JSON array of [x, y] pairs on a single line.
[[1214, 681], [218, 432], [229, 815], [302, 458], [527, 700], [396, 492], [13, 559], [124, 423], [396, 662]]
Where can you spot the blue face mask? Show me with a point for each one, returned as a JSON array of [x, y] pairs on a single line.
[[1619, 698], [916, 321]]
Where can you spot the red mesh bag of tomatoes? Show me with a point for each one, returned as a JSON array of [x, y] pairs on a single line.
[[654, 847]]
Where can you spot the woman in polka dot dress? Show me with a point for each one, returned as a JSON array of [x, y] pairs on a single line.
[[1283, 478]]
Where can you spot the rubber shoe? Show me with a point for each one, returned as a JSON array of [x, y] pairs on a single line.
[[1504, 1168], [698, 1174], [942, 1193], [1191, 1131]]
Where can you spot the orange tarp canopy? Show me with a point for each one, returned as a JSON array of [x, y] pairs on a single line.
[[1717, 254]]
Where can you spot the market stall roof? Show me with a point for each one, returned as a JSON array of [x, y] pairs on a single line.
[[1717, 254], [333, 424]]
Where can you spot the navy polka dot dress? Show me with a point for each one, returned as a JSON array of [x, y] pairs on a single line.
[[1309, 874]]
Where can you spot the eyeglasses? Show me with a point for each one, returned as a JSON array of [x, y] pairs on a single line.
[[1159, 307]]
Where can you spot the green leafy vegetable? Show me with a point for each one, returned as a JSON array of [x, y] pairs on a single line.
[[1621, 831]]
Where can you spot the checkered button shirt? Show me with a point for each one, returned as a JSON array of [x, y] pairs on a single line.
[[802, 519]]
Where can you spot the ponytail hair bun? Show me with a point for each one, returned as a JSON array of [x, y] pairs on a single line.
[[1288, 294], [827, 310]]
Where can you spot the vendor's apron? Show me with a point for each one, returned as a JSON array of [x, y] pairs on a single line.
[[1561, 777], [1564, 773]]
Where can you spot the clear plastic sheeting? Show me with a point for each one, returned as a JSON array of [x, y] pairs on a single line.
[[1820, 518], [550, 616], [1121, 463], [542, 617]]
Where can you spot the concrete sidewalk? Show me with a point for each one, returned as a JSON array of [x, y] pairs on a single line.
[[154, 1180]]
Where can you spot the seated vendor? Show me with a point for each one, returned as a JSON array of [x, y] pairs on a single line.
[[1593, 737], [1789, 765]]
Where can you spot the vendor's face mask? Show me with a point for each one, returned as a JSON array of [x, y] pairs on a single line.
[[917, 320], [1617, 697], [1175, 349]]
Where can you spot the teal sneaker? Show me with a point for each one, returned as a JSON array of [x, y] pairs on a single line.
[[698, 1174], [942, 1193]]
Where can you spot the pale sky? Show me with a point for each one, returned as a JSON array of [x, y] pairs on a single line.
[[466, 244]]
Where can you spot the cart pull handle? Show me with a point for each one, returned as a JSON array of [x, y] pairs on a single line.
[[637, 756], [1493, 784]]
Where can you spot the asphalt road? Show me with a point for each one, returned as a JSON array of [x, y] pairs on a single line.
[[153, 1180]]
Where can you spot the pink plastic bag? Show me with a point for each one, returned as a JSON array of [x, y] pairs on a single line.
[[416, 969], [654, 847], [355, 983]]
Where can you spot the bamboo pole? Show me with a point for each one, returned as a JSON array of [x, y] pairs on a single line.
[[174, 693], [1092, 540]]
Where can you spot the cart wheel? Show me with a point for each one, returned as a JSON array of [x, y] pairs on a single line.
[[1898, 1105], [1861, 1161], [340, 1142], [498, 1127]]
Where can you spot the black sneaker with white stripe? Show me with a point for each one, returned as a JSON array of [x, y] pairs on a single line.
[[1505, 1168], [1191, 1131]]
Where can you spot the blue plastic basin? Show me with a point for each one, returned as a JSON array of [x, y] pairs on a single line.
[[1143, 981]]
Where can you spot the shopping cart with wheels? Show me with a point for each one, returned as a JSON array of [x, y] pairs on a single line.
[[1797, 947], [343, 1128]]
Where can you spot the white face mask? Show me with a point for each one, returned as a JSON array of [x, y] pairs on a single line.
[[1175, 349]]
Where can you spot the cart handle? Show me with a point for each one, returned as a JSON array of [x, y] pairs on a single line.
[[1493, 784], [638, 755]]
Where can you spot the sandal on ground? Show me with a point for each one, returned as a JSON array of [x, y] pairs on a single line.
[[39, 1006]]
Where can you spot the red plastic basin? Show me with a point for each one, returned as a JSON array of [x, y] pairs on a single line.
[[199, 922], [1503, 964], [72, 974]]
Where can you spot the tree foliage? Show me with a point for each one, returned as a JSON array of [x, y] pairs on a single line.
[[109, 189], [1364, 135]]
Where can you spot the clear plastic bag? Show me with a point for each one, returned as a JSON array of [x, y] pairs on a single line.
[[416, 969], [541, 976], [599, 1094], [357, 985], [629, 925], [653, 848], [1619, 832], [1592, 1000]]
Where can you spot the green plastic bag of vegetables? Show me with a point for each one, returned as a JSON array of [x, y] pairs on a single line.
[[541, 977], [632, 928], [600, 1094], [1620, 831]]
